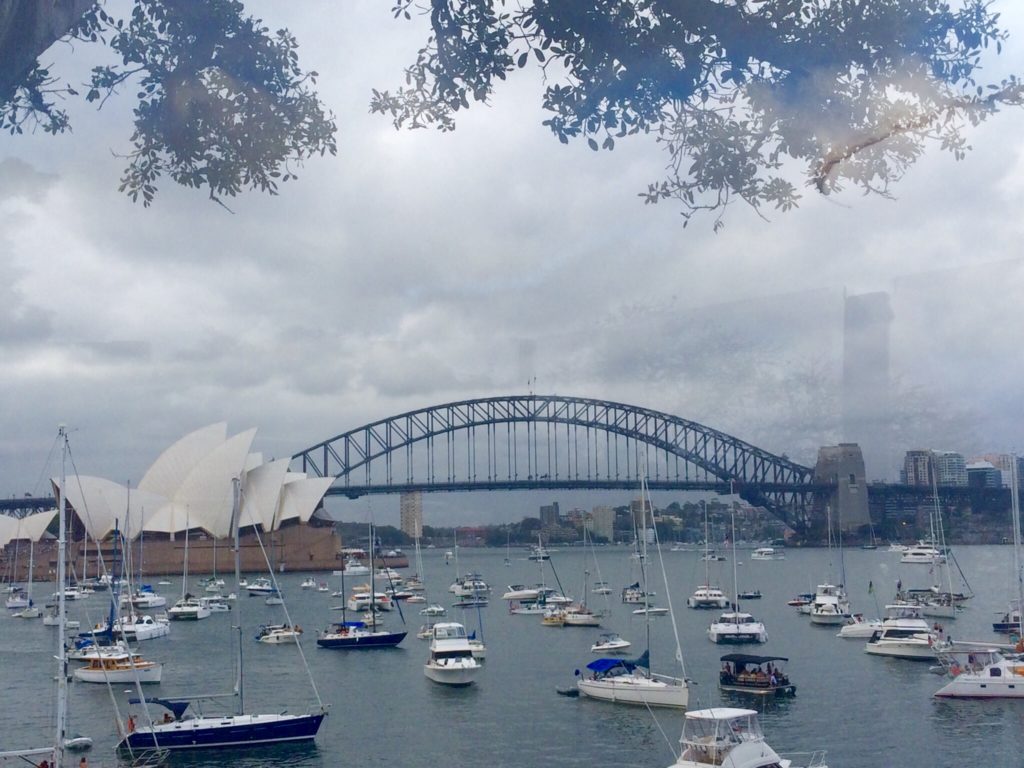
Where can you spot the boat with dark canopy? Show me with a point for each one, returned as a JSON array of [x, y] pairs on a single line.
[[760, 675]]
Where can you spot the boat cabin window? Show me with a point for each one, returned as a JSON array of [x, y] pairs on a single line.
[[995, 672]]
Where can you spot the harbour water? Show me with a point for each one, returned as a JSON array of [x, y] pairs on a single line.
[[864, 710]]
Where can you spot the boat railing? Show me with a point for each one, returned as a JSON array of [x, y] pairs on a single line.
[[815, 759]]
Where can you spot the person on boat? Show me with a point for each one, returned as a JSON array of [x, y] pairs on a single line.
[[131, 723], [44, 764], [83, 763], [773, 680]]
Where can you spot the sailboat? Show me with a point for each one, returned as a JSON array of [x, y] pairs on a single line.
[[30, 610], [707, 596], [735, 626], [631, 681], [187, 727], [188, 607], [356, 635]]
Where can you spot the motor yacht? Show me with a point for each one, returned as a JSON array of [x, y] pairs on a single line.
[[451, 660], [905, 635], [859, 628], [730, 737], [830, 606], [923, 553]]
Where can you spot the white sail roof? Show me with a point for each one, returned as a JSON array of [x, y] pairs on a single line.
[[31, 527], [261, 493], [300, 496], [101, 503], [167, 474], [191, 486]]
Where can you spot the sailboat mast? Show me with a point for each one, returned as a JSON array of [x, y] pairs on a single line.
[[735, 576], [643, 566], [1015, 512], [235, 523], [62, 673]]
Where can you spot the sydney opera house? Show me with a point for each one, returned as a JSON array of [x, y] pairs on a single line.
[[189, 493]]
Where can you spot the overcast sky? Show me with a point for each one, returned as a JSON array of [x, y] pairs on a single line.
[[417, 268]]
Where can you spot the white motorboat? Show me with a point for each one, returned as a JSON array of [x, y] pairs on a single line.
[[521, 592], [469, 585], [279, 634], [895, 546], [609, 642], [650, 610], [830, 605], [451, 660], [729, 737], [767, 553], [308, 583], [259, 586], [119, 668], [859, 628], [737, 627], [923, 553], [905, 635], [135, 628]]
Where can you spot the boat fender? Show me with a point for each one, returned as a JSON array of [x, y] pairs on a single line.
[[576, 673]]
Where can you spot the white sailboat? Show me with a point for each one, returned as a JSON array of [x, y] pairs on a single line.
[[734, 626], [631, 681], [187, 727], [707, 596], [30, 610], [188, 607]]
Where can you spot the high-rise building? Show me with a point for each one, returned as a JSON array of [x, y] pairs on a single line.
[[602, 522], [917, 468], [410, 507], [637, 509], [950, 468], [549, 514]]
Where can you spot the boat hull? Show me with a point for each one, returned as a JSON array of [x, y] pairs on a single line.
[[630, 689], [119, 676], [912, 652], [357, 642], [231, 731], [455, 675]]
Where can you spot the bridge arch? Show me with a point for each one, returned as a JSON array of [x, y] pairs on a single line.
[[553, 441]]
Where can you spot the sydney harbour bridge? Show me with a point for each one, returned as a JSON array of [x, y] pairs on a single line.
[[529, 442], [536, 442]]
